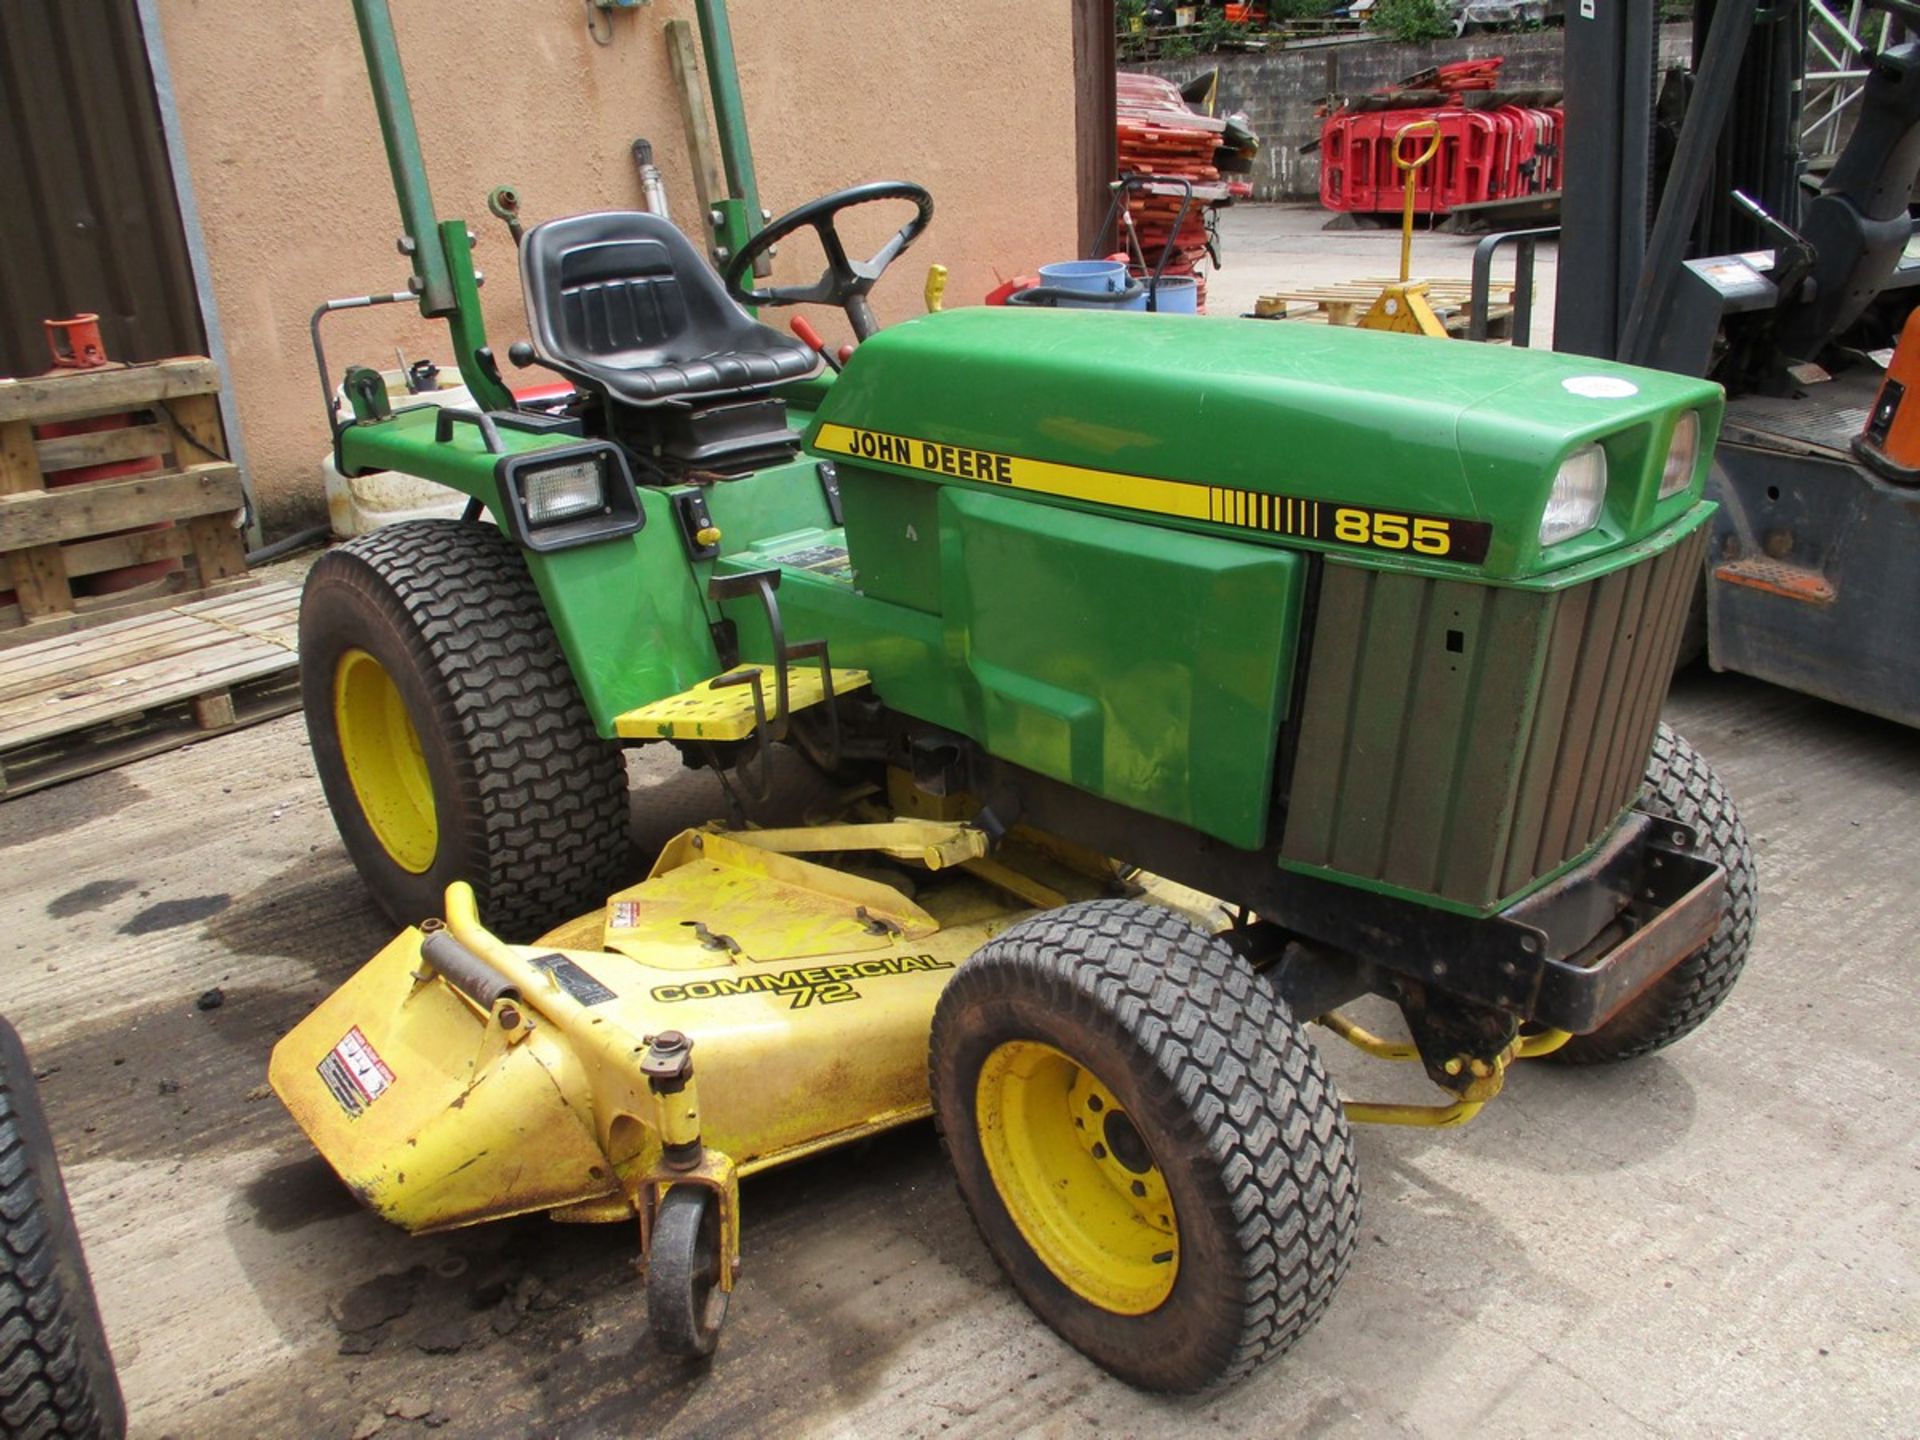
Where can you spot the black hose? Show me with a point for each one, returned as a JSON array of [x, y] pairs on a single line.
[[1052, 295], [299, 540]]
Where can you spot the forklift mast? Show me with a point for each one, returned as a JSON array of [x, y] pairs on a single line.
[[1640, 202], [1716, 247]]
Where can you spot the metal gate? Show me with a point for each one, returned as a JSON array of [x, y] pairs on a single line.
[[90, 221]]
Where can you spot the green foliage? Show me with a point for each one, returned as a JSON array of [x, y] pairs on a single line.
[[1216, 32], [1411, 20], [1211, 31]]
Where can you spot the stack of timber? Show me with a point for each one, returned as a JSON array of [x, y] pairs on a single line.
[[156, 516], [74, 704], [1345, 303], [128, 622]]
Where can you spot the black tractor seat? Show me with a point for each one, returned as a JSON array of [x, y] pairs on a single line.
[[621, 303]]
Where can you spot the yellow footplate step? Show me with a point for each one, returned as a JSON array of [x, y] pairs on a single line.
[[711, 711]]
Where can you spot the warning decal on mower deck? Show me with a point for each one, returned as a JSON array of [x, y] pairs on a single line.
[[575, 981], [1439, 537], [355, 1073]]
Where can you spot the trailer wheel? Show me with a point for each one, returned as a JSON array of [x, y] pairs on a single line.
[[450, 737], [685, 1304], [56, 1373], [1146, 1140], [1680, 784]]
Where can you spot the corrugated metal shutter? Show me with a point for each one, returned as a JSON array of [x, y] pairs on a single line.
[[88, 220]]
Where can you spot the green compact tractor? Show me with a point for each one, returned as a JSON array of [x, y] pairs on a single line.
[[1178, 682]]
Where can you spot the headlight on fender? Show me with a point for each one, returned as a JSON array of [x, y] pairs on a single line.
[[1579, 488], [568, 495], [560, 492], [1681, 455]]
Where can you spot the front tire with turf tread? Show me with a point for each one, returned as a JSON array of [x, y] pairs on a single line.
[[531, 803], [57, 1379], [1229, 1096], [1680, 784]]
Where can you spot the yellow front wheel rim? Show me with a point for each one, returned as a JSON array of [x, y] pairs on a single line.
[[381, 750], [1077, 1177]]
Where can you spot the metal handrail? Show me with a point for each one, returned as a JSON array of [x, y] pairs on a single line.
[[1523, 241]]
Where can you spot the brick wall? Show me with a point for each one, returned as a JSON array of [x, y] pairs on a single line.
[[1281, 90]]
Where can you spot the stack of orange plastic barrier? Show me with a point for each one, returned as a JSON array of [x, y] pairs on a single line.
[[1165, 143]]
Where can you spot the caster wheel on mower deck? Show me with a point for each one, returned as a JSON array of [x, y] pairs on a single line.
[[450, 737], [685, 1304], [1680, 784], [1146, 1140], [56, 1374]]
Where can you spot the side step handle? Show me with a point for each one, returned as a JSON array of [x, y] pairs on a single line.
[[761, 583], [774, 726]]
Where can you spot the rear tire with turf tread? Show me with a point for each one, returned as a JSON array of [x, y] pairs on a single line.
[[530, 803], [1680, 784], [1242, 1125], [57, 1379]]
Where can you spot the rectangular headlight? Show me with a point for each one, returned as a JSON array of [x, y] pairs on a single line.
[[1579, 488], [1681, 455], [561, 492]]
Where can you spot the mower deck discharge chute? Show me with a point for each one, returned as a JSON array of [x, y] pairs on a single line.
[[1346, 648]]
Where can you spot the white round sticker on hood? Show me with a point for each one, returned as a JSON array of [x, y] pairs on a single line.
[[1599, 387]]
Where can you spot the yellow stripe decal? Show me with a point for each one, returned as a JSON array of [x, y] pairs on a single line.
[[1070, 482], [1365, 526]]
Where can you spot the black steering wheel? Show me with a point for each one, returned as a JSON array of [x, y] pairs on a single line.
[[844, 282]]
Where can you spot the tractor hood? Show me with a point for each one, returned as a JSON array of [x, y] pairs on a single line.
[[1233, 409]]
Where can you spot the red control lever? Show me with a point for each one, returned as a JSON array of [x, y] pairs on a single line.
[[813, 340]]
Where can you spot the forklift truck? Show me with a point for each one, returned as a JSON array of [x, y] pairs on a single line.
[[1787, 278]]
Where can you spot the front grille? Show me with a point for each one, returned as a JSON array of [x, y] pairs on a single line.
[[1462, 740]]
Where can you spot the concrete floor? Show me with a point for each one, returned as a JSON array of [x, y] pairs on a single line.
[[1719, 1240]]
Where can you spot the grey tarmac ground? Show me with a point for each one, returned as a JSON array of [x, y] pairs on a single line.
[[1718, 1240]]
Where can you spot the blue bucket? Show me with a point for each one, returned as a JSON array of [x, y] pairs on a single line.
[[1177, 295], [1102, 277]]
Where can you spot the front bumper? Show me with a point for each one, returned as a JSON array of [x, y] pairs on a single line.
[[1657, 903], [1570, 956]]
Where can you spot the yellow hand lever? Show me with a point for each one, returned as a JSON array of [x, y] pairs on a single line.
[[1431, 129]]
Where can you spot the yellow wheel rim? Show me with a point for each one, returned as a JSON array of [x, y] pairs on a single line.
[[1077, 1177], [384, 761]]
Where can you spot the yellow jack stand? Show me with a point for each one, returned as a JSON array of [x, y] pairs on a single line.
[[1404, 307]]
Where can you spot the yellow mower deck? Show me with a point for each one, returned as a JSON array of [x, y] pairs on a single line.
[[806, 990], [456, 1079]]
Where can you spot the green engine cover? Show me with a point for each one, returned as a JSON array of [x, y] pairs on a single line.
[[1395, 447], [1097, 530]]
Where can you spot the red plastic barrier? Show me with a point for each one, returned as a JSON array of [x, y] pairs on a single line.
[[1488, 154], [1357, 171]]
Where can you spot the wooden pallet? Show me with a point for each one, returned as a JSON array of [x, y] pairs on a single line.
[[1345, 303], [74, 704], [53, 535]]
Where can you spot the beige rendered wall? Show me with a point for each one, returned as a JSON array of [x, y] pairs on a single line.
[[971, 98]]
